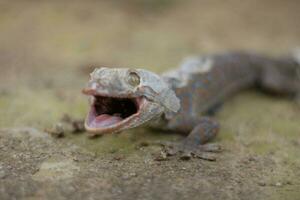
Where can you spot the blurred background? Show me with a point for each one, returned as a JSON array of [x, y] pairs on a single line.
[[48, 49], [55, 44]]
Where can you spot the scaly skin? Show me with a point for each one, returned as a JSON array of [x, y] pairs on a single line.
[[181, 100]]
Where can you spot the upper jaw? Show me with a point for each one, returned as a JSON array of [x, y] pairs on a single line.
[[112, 113], [95, 92]]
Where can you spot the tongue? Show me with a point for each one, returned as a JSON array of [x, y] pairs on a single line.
[[105, 120]]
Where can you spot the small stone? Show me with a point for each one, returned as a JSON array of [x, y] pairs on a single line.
[[148, 180], [251, 158], [186, 156], [2, 174], [127, 176], [78, 126], [161, 157], [144, 144], [278, 184], [75, 159], [262, 184], [118, 157], [56, 131], [132, 174], [289, 183]]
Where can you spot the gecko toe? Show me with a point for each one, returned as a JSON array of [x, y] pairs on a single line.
[[205, 156], [211, 147]]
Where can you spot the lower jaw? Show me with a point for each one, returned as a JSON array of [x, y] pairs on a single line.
[[104, 121], [99, 126], [113, 125], [95, 131]]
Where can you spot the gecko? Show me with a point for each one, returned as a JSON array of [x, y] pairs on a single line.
[[184, 100]]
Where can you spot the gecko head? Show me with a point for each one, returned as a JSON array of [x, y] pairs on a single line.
[[122, 98]]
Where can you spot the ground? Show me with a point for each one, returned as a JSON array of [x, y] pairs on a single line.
[[47, 50]]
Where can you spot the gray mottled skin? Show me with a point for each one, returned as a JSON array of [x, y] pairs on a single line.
[[180, 100]]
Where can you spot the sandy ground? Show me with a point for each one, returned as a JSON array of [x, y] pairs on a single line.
[[47, 50]]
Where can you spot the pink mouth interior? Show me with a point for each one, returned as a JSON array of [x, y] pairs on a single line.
[[104, 120], [108, 111]]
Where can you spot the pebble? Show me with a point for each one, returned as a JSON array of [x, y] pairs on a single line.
[[278, 184], [161, 157], [57, 130], [262, 184], [2, 174]]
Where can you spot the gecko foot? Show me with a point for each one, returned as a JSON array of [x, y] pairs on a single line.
[[203, 151]]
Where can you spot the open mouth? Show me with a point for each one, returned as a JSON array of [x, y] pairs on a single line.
[[110, 113]]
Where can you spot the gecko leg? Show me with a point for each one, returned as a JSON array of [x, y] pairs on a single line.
[[194, 145]]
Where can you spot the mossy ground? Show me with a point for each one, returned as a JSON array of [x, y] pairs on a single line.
[[47, 50]]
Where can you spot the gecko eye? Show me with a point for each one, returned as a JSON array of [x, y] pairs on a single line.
[[133, 79]]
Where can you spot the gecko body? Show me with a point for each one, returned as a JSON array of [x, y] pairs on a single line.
[[183, 99]]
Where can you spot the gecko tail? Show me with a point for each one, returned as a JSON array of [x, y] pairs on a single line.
[[296, 54], [281, 76]]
